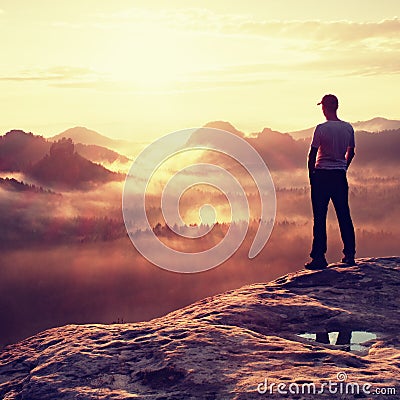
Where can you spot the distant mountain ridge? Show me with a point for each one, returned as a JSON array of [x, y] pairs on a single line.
[[278, 150], [289, 150], [87, 136], [377, 124], [52, 164], [19, 150], [100, 154], [64, 167], [281, 151], [12, 185], [80, 134]]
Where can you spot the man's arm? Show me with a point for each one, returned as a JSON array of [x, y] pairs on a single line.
[[349, 156], [312, 157]]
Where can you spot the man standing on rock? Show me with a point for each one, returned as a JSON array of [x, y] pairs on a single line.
[[332, 150]]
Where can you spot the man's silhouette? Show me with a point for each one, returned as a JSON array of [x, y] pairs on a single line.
[[332, 150]]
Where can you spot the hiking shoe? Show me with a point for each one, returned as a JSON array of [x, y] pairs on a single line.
[[348, 260], [316, 263]]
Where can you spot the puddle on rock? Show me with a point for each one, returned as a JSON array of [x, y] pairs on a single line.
[[354, 339]]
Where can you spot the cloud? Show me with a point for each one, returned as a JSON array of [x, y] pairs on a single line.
[[332, 31], [344, 63], [321, 48], [91, 84], [58, 73], [206, 21], [69, 77], [334, 48]]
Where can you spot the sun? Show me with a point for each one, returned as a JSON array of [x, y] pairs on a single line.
[[207, 214]]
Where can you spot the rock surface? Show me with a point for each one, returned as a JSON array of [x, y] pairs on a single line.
[[225, 346]]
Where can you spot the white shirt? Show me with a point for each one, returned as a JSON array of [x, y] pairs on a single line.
[[332, 138]]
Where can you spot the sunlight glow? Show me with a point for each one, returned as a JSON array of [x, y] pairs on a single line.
[[148, 56], [207, 214], [144, 71]]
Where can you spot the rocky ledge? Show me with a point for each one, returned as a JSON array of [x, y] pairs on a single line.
[[241, 344]]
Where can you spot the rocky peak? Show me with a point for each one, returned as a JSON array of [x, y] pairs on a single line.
[[228, 345]]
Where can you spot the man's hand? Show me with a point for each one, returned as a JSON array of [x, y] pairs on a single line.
[[312, 157], [349, 155], [310, 176]]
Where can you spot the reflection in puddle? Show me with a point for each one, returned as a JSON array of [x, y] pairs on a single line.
[[354, 339]]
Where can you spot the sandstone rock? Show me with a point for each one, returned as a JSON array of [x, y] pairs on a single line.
[[225, 346]]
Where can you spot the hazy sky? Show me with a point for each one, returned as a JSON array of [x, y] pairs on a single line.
[[141, 69]]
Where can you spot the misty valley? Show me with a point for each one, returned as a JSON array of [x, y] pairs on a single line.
[[65, 252]]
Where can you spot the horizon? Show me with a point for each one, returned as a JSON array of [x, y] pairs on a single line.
[[154, 68], [246, 133]]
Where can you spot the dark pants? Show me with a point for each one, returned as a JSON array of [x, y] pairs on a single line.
[[325, 185]]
